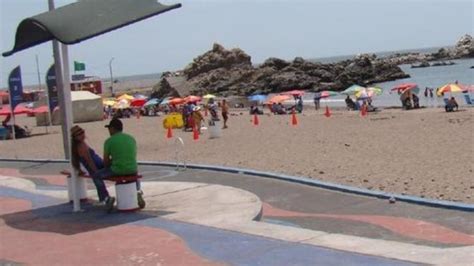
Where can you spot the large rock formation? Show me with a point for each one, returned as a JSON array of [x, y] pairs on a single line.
[[230, 72]]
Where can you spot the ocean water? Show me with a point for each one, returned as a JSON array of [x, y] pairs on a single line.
[[433, 77]]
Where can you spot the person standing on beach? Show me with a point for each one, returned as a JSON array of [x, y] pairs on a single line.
[[317, 99], [225, 112], [120, 157]]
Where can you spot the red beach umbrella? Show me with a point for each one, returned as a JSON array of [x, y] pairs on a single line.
[[40, 110], [20, 109], [401, 88], [192, 99], [294, 92], [176, 101], [137, 102]]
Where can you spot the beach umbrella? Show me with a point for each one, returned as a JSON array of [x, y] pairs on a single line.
[[449, 88], [40, 110], [208, 96], [165, 101], [257, 98], [139, 96], [352, 89], [109, 102], [122, 104], [137, 102], [176, 101], [468, 88], [125, 97], [404, 87], [294, 93], [278, 98], [151, 102], [327, 94], [192, 99], [4, 94], [368, 92], [19, 109]]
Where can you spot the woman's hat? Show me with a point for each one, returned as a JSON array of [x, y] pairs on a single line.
[[76, 131]]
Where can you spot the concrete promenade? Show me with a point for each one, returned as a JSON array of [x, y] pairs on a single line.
[[198, 217]]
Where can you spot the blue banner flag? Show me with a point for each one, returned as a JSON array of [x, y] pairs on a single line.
[[52, 88], [16, 87]]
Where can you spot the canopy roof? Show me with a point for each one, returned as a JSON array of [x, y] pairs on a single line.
[[83, 20]]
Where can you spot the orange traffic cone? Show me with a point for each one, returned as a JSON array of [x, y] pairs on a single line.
[[255, 120], [170, 133], [328, 112], [294, 121], [195, 133]]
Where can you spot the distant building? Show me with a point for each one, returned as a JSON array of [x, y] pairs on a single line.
[[91, 84]]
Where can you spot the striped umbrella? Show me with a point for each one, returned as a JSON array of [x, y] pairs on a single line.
[[449, 88]]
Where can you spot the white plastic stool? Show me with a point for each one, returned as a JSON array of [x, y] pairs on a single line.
[[80, 186], [127, 196]]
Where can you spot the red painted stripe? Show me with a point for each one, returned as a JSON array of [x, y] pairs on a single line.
[[403, 226]]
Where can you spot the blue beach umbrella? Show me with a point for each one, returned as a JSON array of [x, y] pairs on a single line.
[[258, 98], [165, 100], [153, 101], [353, 89]]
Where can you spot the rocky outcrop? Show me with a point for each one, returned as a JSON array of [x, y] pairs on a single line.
[[230, 72]]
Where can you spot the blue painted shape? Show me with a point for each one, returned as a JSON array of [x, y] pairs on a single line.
[[242, 249], [37, 200]]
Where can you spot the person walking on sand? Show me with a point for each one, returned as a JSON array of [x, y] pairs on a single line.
[[197, 118], [225, 112], [84, 155], [120, 157]]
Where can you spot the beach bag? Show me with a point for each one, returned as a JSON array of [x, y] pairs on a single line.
[[173, 120]]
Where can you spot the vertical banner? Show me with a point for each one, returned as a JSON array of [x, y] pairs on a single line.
[[16, 87], [52, 88]]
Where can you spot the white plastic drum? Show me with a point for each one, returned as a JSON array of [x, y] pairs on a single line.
[[126, 196], [215, 130], [80, 186]]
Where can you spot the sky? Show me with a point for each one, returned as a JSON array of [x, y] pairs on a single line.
[[262, 28]]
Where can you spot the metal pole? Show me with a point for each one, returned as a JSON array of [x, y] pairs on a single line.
[[111, 77], [65, 105], [12, 116], [46, 93]]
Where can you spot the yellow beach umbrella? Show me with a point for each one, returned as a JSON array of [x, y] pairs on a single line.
[[452, 87], [208, 96], [109, 102], [125, 97]]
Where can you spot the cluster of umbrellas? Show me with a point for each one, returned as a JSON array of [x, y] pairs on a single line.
[[138, 101], [450, 87], [356, 90], [21, 109]]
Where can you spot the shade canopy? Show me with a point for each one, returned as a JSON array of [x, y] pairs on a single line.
[[83, 20]]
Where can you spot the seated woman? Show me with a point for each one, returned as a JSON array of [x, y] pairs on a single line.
[[83, 155], [451, 104]]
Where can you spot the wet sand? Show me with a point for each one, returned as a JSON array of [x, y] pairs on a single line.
[[426, 152]]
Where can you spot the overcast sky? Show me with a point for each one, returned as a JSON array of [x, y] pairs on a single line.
[[262, 28]]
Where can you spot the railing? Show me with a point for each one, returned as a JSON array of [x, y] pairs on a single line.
[[180, 146]]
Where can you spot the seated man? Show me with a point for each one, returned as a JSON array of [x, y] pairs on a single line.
[[350, 103], [255, 111], [280, 109], [451, 104], [120, 157]]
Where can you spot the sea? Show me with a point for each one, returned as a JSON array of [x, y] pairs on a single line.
[[433, 77]]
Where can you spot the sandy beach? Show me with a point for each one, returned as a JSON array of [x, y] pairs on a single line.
[[425, 152]]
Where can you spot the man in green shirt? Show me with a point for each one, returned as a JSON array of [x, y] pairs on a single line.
[[120, 158]]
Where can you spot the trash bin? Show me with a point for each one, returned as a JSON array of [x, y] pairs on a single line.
[[214, 129]]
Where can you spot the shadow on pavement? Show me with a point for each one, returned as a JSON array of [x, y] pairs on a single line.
[[60, 219]]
